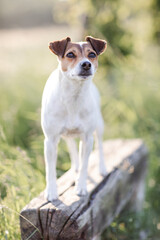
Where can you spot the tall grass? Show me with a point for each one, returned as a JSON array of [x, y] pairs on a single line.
[[130, 105]]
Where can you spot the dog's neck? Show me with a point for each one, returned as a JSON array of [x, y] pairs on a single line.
[[73, 90], [74, 95]]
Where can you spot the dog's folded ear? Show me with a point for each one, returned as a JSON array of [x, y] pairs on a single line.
[[59, 47], [98, 45]]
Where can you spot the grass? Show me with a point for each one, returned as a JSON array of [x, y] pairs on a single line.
[[130, 105]]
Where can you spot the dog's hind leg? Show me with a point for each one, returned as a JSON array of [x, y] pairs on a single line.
[[72, 147], [85, 148], [99, 146]]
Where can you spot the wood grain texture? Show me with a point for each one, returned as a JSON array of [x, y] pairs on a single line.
[[73, 217]]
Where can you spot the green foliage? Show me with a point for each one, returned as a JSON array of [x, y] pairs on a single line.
[[156, 18], [20, 182], [126, 25], [132, 226], [130, 103]]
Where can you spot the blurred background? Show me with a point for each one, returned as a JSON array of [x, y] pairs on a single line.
[[128, 79]]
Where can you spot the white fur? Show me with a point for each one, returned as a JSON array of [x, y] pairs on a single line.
[[71, 108]]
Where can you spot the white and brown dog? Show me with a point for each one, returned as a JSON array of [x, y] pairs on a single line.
[[71, 108]]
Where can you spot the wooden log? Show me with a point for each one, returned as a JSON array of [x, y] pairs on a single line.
[[79, 218]]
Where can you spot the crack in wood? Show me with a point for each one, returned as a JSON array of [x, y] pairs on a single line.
[[47, 226], [92, 231], [40, 223], [94, 193], [53, 211], [39, 218], [71, 185], [66, 222]]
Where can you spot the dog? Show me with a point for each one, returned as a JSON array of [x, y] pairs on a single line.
[[71, 109]]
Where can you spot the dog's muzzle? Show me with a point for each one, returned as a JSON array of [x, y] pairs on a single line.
[[85, 69]]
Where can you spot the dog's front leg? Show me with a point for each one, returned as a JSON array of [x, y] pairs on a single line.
[[73, 153], [50, 151], [85, 149]]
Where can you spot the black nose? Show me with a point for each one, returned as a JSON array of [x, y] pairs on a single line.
[[86, 65]]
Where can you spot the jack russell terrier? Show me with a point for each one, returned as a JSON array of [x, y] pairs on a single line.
[[71, 109]]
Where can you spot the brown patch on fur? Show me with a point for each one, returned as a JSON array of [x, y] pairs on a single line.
[[59, 47], [80, 52], [88, 49], [98, 45]]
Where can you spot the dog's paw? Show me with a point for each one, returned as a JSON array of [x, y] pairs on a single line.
[[51, 194], [81, 191], [103, 171]]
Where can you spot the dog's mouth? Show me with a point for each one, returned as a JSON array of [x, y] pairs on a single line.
[[85, 74]]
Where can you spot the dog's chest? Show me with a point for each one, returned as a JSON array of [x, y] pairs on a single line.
[[78, 117], [74, 120], [70, 110]]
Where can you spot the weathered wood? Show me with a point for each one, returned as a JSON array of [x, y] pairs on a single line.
[[72, 217]]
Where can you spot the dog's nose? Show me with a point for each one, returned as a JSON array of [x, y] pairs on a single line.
[[86, 65]]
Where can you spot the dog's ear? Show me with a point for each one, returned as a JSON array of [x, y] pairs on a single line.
[[59, 47], [97, 44]]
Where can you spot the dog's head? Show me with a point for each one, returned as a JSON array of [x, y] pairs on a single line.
[[78, 60]]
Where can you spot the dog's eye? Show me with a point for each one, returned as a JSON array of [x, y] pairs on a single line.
[[70, 55], [91, 55]]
